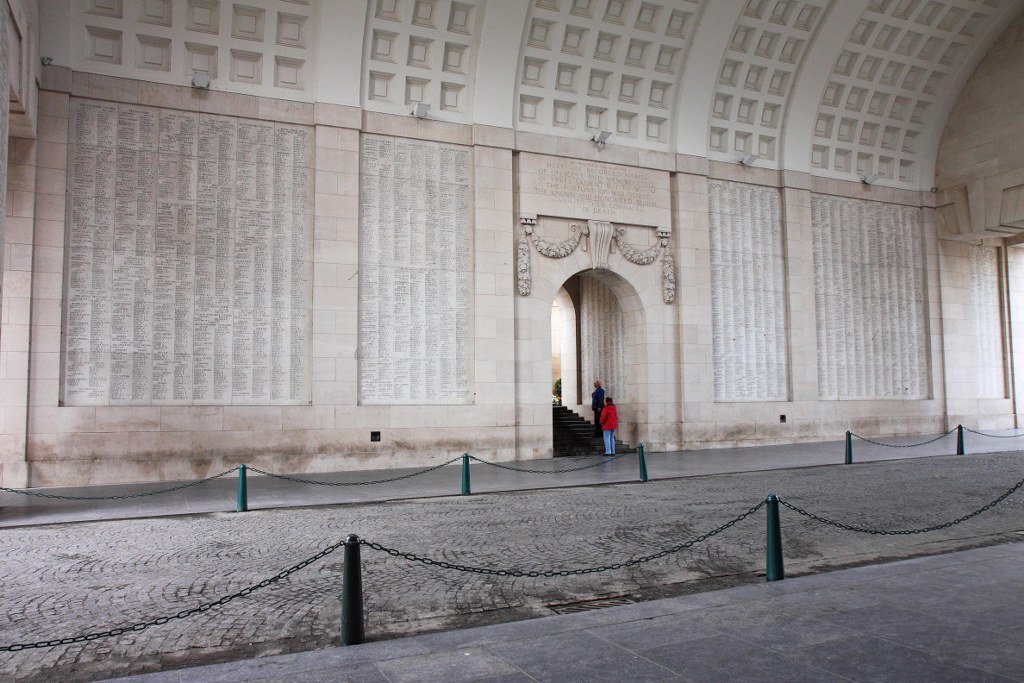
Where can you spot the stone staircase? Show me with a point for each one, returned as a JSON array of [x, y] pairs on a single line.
[[573, 435]]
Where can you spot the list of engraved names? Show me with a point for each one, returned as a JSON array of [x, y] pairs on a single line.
[[414, 272], [869, 293], [189, 259], [748, 293]]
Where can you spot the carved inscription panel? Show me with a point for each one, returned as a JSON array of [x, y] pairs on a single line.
[[571, 188], [987, 321], [869, 293], [748, 293], [415, 272], [189, 259]]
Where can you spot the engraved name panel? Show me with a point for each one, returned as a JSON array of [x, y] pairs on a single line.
[[748, 293], [987, 322], [869, 292], [415, 272], [189, 259]]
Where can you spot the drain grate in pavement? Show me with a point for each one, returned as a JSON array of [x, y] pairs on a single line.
[[590, 606]]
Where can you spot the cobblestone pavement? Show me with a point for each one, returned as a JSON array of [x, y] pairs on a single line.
[[71, 579]]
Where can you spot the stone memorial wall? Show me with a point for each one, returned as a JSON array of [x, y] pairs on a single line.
[[5, 106], [415, 272], [189, 258], [987, 321], [870, 298], [602, 339], [748, 293]]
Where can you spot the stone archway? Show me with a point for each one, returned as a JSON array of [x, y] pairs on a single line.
[[595, 335], [628, 267]]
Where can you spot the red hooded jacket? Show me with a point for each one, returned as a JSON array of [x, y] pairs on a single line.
[[609, 418]]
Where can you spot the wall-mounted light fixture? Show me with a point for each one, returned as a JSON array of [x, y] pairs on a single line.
[[870, 179], [421, 110], [201, 80], [749, 159], [600, 139]]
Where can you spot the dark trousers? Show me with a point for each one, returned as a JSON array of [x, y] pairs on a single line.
[[597, 423]]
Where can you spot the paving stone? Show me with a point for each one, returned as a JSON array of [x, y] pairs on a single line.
[[69, 579], [579, 657]]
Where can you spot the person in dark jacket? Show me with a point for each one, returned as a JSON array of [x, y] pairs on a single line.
[[609, 423], [596, 404]]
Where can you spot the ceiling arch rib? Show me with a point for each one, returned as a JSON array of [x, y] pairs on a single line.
[[814, 75], [698, 84], [604, 65], [761, 64], [892, 84], [422, 52]]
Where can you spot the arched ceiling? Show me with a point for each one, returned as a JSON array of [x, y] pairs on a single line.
[[837, 88]]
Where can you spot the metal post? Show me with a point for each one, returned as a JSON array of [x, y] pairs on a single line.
[[773, 565], [465, 475], [643, 463], [959, 439], [242, 503], [849, 447], [352, 594]]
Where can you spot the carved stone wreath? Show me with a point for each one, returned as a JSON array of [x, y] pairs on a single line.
[[640, 257], [523, 281], [559, 249], [668, 278]]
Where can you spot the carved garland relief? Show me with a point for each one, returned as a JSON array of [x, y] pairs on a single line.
[[605, 237]]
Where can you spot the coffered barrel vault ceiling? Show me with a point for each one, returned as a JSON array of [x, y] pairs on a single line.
[[838, 88]]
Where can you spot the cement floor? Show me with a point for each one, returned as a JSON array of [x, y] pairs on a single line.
[[62, 574], [220, 495], [952, 617]]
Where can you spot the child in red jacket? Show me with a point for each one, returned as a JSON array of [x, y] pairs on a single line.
[[609, 423]]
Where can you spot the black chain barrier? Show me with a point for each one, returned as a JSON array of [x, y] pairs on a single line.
[[606, 459], [993, 436], [520, 573], [126, 496], [903, 532], [905, 445], [160, 621], [353, 483]]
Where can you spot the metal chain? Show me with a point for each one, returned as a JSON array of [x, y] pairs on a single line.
[[126, 496], [160, 621], [353, 483], [518, 573], [903, 532], [994, 436], [528, 471], [905, 445]]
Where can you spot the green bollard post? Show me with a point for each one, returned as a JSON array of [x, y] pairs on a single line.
[[465, 474], [959, 439], [643, 463], [849, 448], [773, 564], [351, 594], [242, 502]]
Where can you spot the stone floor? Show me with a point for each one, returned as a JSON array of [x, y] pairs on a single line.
[[952, 617], [265, 492], [62, 577]]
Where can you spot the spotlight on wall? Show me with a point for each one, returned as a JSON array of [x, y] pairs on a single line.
[[46, 61], [200, 80], [600, 139], [421, 110], [749, 159], [870, 179]]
